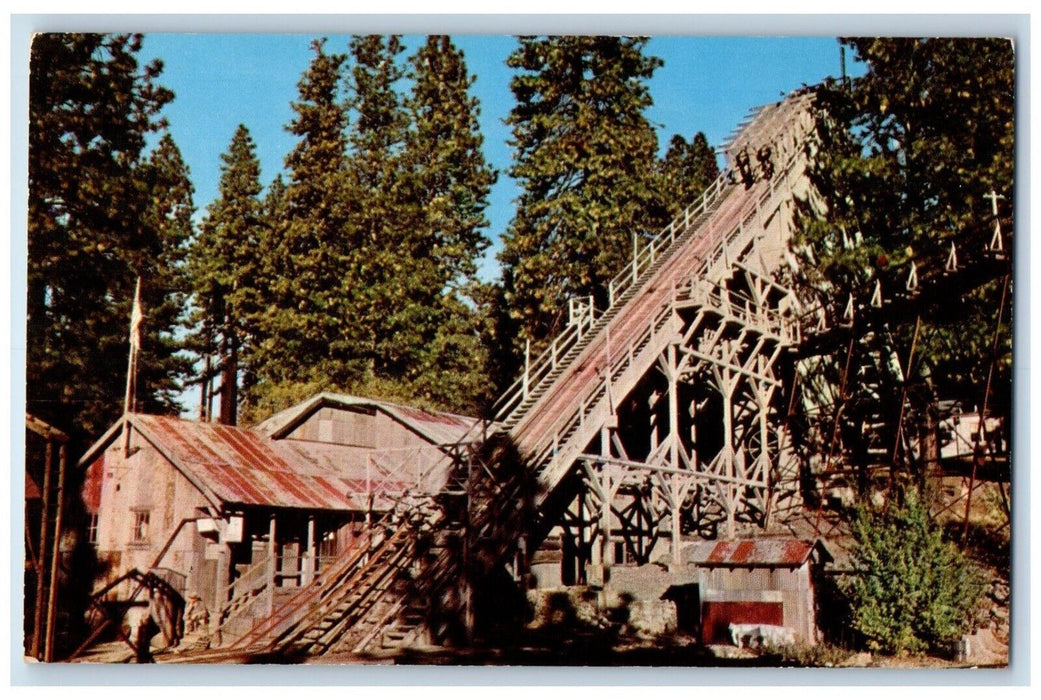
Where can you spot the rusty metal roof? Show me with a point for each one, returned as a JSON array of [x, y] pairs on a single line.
[[243, 467], [438, 427], [763, 552]]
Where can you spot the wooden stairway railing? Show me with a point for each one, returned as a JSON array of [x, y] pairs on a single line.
[[325, 584], [663, 273], [241, 594], [551, 441], [548, 447]]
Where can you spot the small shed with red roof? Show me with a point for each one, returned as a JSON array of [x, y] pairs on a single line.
[[765, 581]]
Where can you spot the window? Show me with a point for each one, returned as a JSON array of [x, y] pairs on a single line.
[[139, 534], [327, 547], [92, 529]]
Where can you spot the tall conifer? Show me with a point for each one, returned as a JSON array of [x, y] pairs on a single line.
[[226, 272], [308, 334], [388, 296], [450, 182], [585, 160], [163, 367], [91, 107]]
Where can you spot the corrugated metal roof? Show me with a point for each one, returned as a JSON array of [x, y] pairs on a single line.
[[764, 552], [244, 467], [438, 427]]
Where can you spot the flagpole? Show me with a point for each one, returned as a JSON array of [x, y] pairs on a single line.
[[135, 343]]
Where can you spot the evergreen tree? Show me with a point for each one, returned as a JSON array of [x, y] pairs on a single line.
[[274, 202], [585, 160], [450, 180], [686, 171], [308, 334], [227, 269], [375, 261], [91, 228], [163, 368], [450, 174], [393, 288]]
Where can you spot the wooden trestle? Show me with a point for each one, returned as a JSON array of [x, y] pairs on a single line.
[[663, 408]]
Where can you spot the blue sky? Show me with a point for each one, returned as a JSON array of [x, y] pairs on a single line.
[[221, 80]]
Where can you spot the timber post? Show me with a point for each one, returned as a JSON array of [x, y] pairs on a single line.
[[272, 564], [52, 599], [42, 556], [311, 562]]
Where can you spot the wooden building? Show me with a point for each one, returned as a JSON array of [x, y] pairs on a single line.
[[244, 517], [767, 581]]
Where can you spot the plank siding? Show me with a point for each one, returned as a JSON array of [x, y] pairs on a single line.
[[789, 588]]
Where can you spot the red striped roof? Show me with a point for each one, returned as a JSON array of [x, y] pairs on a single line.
[[764, 552], [243, 467]]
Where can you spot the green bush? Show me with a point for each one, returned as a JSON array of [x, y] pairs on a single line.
[[912, 591]]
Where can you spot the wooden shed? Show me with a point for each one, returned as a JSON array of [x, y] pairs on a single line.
[[767, 581]]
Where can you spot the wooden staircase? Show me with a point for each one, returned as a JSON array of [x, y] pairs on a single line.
[[406, 586]]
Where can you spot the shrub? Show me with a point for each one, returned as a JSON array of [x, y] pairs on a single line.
[[808, 655], [912, 591]]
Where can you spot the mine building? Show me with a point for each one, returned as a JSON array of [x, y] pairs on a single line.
[[247, 516]]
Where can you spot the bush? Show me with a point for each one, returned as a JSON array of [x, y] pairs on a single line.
[[808, 655], [912, 591]]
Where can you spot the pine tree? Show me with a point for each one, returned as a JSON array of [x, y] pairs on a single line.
[[392, 278], [450, 174], [226, 272], [163, 368], [450, 180], [686, 171], [91, 107], [307, 334], [585, 160], [274, 202]]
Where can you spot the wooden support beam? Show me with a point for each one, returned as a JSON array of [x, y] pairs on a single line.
[[736, 368], [311, 560], [45, 519], [706, 475], [52, 602], [272, 550]]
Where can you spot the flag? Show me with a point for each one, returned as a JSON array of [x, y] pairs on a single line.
[[135, 318]]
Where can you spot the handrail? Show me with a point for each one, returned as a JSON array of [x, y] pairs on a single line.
[[381, 562], [248, 586], [545, 363], [623, 356], [721, 300], [643, 258], [381, 471], [321, 584]]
